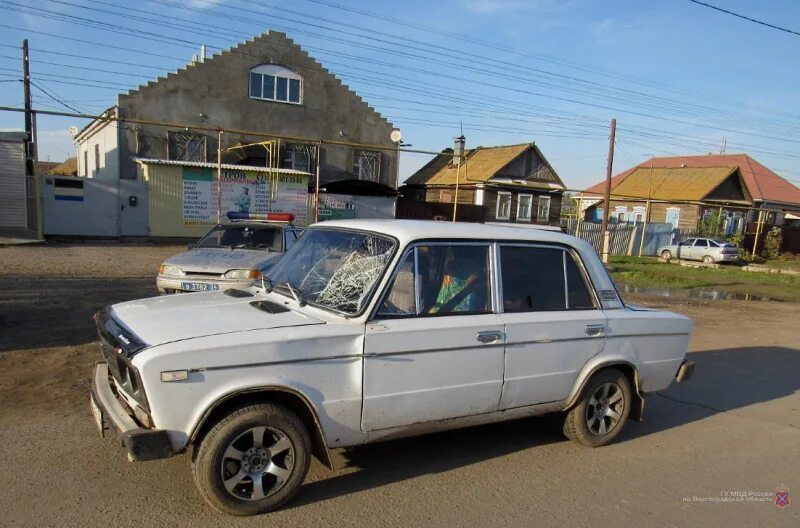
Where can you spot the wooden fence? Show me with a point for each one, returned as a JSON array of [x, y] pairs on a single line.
[[621, 235]]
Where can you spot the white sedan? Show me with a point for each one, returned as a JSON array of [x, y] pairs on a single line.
[[375, 329]]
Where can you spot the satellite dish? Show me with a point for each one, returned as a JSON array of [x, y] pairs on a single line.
[[73, 130], [396, 136]]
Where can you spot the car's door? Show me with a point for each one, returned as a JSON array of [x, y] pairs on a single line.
[[553, 322], [684, 249], [699, 249], [434, 347]]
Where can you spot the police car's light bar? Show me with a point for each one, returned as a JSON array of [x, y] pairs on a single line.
[[270, 217]]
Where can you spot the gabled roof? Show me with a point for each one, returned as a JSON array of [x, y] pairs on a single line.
[[479, 166], [682, 183], [761, 183]]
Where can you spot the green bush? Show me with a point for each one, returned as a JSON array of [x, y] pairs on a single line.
[[772, 243], [710, 226]]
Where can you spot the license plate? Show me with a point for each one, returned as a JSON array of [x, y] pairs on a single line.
[[199, 286], [97, 414]]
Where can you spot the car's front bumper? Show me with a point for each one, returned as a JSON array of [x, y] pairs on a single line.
[[181, 284], [142, 444]]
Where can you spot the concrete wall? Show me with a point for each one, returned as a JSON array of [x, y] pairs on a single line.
[[13, 197], [219, 89], [106, 138], [93, 208]]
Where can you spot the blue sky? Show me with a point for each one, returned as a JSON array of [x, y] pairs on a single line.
[[677, 76]]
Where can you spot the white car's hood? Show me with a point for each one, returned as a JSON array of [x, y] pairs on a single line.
[[159, 320], [220, 260]]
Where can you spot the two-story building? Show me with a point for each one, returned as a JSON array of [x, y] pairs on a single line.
[[267, 85]]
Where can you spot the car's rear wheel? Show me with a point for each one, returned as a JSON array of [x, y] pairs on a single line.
[[602, 410], [253, 460], [666, 254], [708, 259]]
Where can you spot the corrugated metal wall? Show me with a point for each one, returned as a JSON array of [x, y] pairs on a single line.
[[165, 212], [13, 210]]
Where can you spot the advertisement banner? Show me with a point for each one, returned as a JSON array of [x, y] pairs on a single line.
[[243, 191], [337, 206]]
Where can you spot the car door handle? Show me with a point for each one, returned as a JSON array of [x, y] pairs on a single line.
[[595, 329], [489, 336]]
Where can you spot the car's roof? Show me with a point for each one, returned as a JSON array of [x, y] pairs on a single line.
[[410, 230], [256, 223]]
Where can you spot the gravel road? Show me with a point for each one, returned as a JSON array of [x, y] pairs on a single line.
[[710, 452]]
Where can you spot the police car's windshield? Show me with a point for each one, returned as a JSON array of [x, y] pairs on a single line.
[[333, 268], [243, 237]]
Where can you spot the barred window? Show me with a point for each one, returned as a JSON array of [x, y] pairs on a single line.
[[299, 156], [367, 165], [184, 146]]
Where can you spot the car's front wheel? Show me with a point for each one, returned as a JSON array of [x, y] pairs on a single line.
[[253, 460], [666, 255], [602, 410]]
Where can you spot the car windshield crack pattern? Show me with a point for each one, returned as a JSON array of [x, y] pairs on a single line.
[[335, 269]]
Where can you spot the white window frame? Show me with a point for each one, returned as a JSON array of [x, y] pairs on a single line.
[[529, 197], [546, 215], [638, 214], [677, 216], [277, 72], [364, 161], [497, 207]]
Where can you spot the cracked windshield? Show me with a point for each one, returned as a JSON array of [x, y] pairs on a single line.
[[334, 269]]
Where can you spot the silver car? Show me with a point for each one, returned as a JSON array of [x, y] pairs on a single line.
[[231, 255], [708, 250]]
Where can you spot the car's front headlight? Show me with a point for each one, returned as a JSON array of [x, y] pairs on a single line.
[[243, 274], [170, 271]]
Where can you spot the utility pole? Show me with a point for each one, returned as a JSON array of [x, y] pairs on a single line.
[[604, 238], [31, 142]]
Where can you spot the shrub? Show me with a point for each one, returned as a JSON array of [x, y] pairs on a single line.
[[710, 226], [772, 243]]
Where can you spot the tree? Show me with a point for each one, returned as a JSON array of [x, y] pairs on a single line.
[[772, 243]]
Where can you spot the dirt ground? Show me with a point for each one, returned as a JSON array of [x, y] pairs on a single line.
[[732, 431]]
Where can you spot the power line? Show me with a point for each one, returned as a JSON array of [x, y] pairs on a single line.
[[56, 98], [773, 26]]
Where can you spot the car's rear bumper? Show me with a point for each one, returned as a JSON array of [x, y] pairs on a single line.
[[179, 285], [142, 444], [726, 258], [685, 372]]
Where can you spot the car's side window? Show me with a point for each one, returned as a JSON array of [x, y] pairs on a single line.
[[440, 279], [689, 242], [701, 242], [401, 297], [537, 279]]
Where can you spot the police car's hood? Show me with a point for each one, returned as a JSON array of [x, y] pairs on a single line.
[[168, 318], [220, 260]]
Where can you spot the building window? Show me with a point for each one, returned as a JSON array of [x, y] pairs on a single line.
[[543, 213], [96, 158], [620, 214], [673, 216], [445, 196], [524, 207], [86, 163], [503, 206], [275, 83], [298, 156], [187, 147], [638, 214], [367, 165]]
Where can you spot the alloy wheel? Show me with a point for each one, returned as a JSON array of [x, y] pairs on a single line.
[[605, 408], [257, 463]]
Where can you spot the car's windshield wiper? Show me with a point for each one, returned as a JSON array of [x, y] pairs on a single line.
[[296, 293], [266, 283]]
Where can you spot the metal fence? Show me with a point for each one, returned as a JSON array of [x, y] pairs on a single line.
[[655, 236]]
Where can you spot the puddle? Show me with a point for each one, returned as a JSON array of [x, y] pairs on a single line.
[[697, 293]]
